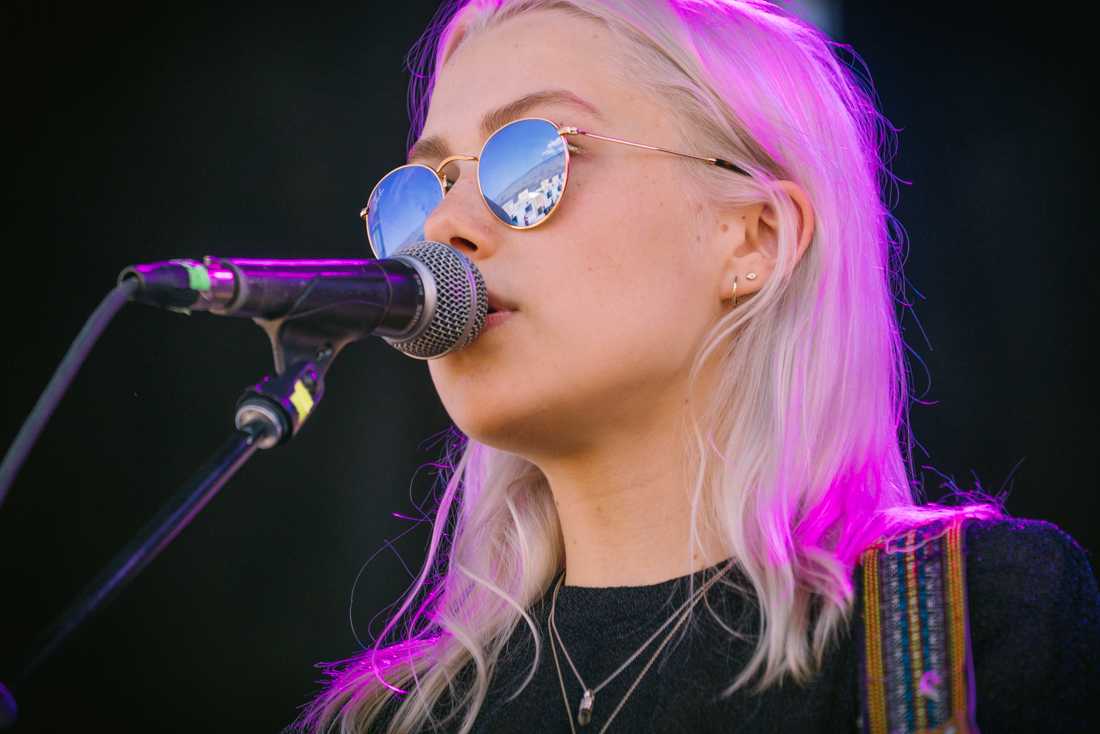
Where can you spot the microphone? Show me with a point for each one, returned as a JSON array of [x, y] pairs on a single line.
[[427, 300]]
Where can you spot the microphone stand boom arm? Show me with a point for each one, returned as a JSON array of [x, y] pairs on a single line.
[[304, 343]]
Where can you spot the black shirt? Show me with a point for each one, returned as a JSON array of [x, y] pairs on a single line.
[[1035, 628]]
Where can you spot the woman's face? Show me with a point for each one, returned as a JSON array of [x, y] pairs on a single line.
[[611, 295]]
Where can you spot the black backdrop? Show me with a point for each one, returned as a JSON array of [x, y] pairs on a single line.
[[133, 136]]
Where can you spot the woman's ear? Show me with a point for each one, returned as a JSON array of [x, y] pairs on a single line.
[[750, 237], [806, 219]]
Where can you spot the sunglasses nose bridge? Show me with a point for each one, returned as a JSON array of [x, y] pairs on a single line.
[[439, 169]]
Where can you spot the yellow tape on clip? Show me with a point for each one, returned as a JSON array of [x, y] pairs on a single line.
[[302, 400]]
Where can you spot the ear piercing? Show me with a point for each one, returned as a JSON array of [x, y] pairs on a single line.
[[733, 296]]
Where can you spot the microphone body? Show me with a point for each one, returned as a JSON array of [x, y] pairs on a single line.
[[381, 296], [425, 301]]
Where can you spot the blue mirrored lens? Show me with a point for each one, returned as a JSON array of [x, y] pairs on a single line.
[[522, 171], [399, 206]]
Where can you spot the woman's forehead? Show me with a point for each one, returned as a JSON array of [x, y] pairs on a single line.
[[521, 58]]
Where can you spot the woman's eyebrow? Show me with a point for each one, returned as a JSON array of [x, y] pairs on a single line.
[[435, 147]]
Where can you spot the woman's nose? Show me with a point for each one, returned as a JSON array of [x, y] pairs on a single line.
[[461, 220]]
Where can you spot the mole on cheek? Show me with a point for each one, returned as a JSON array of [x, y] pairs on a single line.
[[725, 227]]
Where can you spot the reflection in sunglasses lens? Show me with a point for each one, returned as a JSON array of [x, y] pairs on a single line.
[[399, 206], [522, 171]]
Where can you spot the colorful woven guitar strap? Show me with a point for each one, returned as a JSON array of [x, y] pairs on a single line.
[[917, 674]]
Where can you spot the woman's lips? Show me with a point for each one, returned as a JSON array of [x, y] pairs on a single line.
[[496, 318]]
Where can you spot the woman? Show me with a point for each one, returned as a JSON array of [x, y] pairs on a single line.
[[681, 437]]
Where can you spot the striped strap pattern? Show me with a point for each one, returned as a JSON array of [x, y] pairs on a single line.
[[917, 676]]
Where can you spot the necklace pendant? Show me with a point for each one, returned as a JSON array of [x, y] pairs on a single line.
[[584, 713]]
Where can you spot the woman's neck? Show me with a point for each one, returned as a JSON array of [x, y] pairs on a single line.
[[625, 512]]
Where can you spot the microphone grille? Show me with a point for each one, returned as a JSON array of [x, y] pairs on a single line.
[[455, 301]]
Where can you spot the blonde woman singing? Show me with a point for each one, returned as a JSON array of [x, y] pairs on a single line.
[[681, 497]]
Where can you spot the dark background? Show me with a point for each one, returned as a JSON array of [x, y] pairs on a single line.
[[178, 131]]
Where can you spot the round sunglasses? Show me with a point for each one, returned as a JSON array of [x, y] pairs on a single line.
[[522, 171]]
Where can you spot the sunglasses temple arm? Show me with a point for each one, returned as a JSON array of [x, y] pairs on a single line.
[[721, 163]]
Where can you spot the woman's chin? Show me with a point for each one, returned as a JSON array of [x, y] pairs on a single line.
[[499, 431], [519, 415], [505, 426]]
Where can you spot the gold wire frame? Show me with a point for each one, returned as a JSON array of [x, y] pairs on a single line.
[[445, 184]]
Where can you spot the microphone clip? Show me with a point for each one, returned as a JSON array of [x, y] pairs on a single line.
[[302, 353]]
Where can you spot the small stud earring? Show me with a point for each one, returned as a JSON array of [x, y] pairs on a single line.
[[751, 276]]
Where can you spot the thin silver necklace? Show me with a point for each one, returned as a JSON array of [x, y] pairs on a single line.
[[588, 699]]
